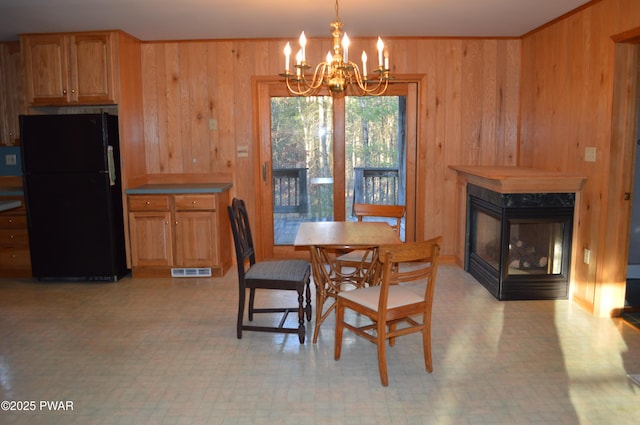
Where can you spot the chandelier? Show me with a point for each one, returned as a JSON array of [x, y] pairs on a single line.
[[337, 73]]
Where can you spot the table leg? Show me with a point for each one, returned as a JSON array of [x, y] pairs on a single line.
[[329, 280]]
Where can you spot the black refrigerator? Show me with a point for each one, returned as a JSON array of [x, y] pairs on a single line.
[[73, 196]]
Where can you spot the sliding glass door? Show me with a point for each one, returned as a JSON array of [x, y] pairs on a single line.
[[326, 153]]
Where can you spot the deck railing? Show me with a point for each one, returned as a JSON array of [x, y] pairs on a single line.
[[376, 185], [371, 186], [290, 190]]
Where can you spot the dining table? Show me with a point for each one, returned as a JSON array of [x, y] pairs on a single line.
[[325, 240]]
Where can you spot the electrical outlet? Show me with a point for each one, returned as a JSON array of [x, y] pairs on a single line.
[[242, 151], [10, 159], [587, 256]]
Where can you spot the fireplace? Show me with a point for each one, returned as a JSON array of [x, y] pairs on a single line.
[[518, 245]]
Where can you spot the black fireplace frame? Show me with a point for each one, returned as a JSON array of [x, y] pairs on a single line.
[[519, 208]]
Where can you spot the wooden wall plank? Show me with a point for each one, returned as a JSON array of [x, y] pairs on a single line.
[[199, 159], [173, 117], [152, 105], [217, 158]]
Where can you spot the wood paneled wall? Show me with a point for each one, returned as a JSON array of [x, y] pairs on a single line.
[[535, 102], [568, 79], [198, 108]]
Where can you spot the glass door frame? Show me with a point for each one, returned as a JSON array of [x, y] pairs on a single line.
[[413, 87]]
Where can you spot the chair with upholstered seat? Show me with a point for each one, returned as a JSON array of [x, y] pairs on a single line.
[[371, 211], [394, 302], [286, 275]]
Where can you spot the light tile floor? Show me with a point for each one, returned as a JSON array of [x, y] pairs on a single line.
[[164, 351]]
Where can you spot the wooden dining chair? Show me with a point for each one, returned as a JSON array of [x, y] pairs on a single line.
[[286, 275], [363, 211], [393, 302]]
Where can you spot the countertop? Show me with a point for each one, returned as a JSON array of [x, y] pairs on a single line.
[[158, 189], [8, 205]]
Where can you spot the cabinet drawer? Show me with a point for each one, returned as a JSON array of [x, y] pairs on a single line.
[[13, 221], [195, 202], [148, 203], [14, 258], [14, 237]]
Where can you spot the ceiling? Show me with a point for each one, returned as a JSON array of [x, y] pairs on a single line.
[[219, 19]]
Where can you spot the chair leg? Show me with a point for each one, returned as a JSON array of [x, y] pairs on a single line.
[[381, 342], [337, 350], [392, 340], [252, 297], [301, 329], [426, 346], [241, 301], [308, 308]]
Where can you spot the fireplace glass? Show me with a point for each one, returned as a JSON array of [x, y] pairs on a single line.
[[486, 243], [535, 248]]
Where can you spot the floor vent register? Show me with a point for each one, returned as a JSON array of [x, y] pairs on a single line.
[[191, 272]]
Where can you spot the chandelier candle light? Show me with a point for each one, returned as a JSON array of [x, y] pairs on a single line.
[[337, 72]]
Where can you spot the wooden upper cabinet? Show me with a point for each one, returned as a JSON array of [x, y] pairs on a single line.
[[92, 62], [64, 69], [11, 93]]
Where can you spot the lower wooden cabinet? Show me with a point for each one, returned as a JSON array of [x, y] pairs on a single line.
[[15, 258], [178, 231], [151, 239]]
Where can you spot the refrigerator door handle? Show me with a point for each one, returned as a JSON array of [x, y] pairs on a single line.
[[112, 166]]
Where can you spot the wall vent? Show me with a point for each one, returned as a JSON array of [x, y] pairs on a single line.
[[191, 272]]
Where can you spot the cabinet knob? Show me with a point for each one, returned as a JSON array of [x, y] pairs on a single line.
[[13, 255], [10, 220], [73, 90], [64, 91], [147, 203], [11, 237], [194, 202]]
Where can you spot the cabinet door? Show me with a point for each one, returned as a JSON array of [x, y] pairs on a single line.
[[196, 239], [46, 61], [11, 93], [91, 68], [151, 239]]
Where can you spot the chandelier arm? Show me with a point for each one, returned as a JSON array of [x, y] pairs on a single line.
[[318, 75], [304, 86], [299, 91], [363, 84]]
